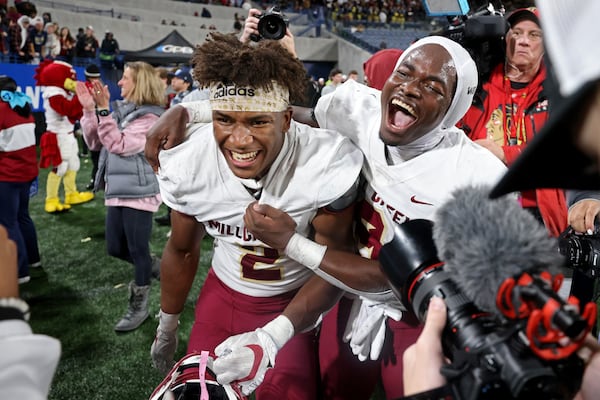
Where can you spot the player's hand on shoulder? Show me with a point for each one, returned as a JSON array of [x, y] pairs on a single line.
[[167, 132]]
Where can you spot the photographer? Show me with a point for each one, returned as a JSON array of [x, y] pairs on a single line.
[[570, 135], [512, 105], [509, 109]]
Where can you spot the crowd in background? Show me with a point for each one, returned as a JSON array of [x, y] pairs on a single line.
[[41, 34], [30, 38]]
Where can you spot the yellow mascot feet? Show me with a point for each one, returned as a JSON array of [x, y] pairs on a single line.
[[78, 197], [72, 196], [53, 205]]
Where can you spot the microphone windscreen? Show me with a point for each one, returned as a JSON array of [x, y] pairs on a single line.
[[483, 242]]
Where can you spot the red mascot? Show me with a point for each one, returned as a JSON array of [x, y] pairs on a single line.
[[59, 147]]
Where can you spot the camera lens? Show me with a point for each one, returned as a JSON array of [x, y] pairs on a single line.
[[272, 27]]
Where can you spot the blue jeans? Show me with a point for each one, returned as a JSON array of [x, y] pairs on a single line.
[[127, 235], [14, 215]]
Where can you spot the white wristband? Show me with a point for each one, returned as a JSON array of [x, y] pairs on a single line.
[[305, 251], [168, 322], [280, 329], [198, 111]]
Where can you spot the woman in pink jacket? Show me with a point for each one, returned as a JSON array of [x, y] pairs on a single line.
[[130, 188]]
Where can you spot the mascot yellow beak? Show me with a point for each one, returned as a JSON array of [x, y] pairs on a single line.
[[69, 85]]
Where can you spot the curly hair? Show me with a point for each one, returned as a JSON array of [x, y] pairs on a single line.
[[223, 58]]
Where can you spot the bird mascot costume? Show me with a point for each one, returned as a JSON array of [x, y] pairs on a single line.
[[59, 147]]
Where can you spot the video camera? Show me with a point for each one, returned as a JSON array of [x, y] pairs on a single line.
[[492, 357], [272, 25], [581, 251], [479, 29]]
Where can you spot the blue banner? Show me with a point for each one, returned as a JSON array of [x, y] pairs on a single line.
[[23, 75]]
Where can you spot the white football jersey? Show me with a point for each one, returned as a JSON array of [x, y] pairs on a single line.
[[410, 190], [314, 168]]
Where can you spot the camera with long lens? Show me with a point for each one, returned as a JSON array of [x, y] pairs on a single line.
[[477, 25], [582, 252], [272, 25], [490, 358]]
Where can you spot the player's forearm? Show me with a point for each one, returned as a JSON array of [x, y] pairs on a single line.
[[178, 270], [359, 273], [347, 271], [314, 299]]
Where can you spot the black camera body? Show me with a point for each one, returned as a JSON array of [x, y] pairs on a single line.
[[272, 25], [582, 252], [480, 32], [490, 359]]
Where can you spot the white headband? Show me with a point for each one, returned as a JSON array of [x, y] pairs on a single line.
[[246, 98], [466, 76]]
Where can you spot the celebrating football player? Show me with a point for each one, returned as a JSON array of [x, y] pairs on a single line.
[[253, 150]]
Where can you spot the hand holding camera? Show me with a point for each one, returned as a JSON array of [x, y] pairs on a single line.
[[272, 25]]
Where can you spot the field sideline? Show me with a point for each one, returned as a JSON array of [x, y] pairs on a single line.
[[80, 293]]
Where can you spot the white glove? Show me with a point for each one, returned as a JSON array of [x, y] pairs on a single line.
[[165, 343], [245, 358], [366, 327]]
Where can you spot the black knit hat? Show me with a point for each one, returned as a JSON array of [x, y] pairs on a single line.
[[92, 71], [7, 83]]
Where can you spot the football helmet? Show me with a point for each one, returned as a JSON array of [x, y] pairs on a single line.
[[192, 378]]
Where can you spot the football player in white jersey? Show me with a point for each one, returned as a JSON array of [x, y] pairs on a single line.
[[253, 150], [414, 159]]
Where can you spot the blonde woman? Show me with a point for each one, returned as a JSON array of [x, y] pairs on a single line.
[[130, 187]]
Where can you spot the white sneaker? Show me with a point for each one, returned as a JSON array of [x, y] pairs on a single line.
[[35, 265], [24, 279]]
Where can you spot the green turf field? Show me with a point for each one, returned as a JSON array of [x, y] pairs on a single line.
[[79, 295]]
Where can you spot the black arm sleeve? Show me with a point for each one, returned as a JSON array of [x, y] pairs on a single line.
[[573, 196]]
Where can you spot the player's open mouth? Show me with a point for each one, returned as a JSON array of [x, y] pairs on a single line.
[[401, 114], [244, 157]]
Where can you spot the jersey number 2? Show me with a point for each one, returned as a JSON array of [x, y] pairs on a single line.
[[250, 260]]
